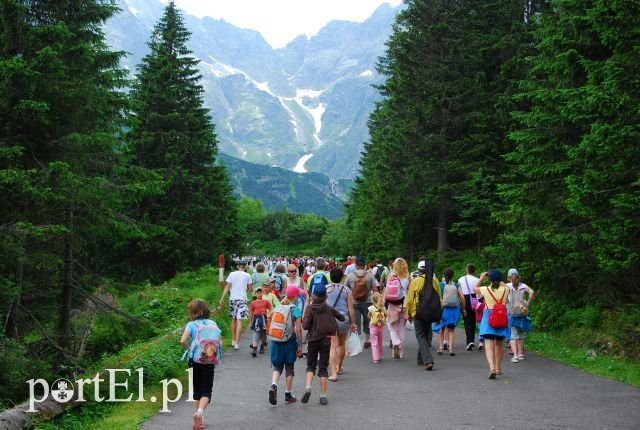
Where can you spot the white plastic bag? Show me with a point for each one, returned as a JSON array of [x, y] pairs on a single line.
[[354, 347]]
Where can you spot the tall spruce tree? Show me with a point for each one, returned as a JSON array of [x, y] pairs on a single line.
[[172, 134], [63, 181], [575, 184]]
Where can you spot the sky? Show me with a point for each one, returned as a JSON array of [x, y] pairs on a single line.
[[281, 21]]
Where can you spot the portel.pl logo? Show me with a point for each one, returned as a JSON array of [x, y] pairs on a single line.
[[62, 390]]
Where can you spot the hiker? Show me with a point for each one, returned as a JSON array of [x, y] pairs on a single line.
[[377, 319], [200, 346], [238, 283], [339, 297], [259, 276], [395, 290], [493, 336], [320, 276], [361, 284], [280, 281], [259, 309], [422, 327], [520, 298], [452, 301], [467, 282], [283, 354], [320, 321]]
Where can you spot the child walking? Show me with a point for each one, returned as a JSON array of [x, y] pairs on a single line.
[[284, 354], [453, 301], [320, 321], [377, 319], [203, 353], [258, 311], [520, 298]]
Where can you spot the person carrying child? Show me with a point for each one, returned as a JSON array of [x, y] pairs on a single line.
[[284, 352], [320, 321], [258, 311], [377, 319], [203, 352]]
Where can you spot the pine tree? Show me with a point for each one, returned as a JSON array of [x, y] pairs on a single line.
[[63, 180], [172, 134]]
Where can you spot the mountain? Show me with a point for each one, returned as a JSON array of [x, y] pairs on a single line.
[[302, 107], [280, 188]]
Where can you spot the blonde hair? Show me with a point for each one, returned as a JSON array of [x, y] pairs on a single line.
[[198, 308], [376, 298], [285, 301], [291, 268], [401, 268]]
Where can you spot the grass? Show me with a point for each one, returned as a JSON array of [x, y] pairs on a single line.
[[164, 307], [559, 347]]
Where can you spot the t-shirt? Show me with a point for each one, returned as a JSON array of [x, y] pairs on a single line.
[[239, 281], [271, 298], [258, 279], [259, 307], [320, 273], [488, 300], [369, 279], [467, 282], [350, 269]]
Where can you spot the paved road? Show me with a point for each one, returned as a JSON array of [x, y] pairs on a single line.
[[397, 394]]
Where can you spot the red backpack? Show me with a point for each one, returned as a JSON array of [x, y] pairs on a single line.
[[498, 315]]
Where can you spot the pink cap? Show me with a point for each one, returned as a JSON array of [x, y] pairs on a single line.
[[292, 292]]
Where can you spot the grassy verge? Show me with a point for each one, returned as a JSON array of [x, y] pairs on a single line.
[[165, 308], [559, 347]]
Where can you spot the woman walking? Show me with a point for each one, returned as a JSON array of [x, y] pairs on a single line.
[[394, 293], [339, 298], [493, 336]]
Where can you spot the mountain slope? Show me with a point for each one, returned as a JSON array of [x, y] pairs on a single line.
[[280, 188], [275, 106]]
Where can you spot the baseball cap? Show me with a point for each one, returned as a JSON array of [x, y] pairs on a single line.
[[422, 264], [319, 290], [292, 292], [267, 281], [258, 289], [360, 261], [495, 275], [513, 272]]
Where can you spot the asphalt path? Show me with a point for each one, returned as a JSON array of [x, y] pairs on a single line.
[[397, 394]]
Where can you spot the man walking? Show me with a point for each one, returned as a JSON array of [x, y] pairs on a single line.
[[238, 282], [361, 284]]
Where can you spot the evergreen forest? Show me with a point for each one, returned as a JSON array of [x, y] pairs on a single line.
[[508, 132]]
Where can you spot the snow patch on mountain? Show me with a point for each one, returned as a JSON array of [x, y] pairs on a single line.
[[300, 165]]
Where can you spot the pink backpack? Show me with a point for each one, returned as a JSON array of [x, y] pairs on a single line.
[[394, 288]]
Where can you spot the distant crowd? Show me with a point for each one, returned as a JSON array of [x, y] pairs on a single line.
[[324, 310]]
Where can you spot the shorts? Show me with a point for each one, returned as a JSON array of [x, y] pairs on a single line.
[[517, 333], [238, 309], [287, 367], [203, 375]]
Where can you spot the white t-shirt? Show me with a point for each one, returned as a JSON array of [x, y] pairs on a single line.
[[239, 281], [350, 269], [467, 282]]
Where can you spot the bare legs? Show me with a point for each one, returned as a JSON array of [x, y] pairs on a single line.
[[494, 352], [336, 356], [236, 330]]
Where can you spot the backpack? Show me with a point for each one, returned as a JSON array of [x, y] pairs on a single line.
[[394, 289], [449, 294], [429, 308], [498, 315], [318, 279], [279, 283], [517, 304], [280, 324], [206, 347], [360, 290], [379, 269]]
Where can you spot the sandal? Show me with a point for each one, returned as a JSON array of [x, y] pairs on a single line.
[[492, 375], [452, 353], [332, 379], [340, 371], [428, 366], [439, 352]]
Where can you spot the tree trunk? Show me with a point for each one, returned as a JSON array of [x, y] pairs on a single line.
[[67, 291], [11, 322], [443, 241]]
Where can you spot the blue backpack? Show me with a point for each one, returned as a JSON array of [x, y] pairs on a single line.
[[318, 279], [206, 347]]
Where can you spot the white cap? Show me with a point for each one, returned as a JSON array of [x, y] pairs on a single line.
[[422, 264], [513, 272]]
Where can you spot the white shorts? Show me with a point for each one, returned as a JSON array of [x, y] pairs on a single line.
[[238, 309]]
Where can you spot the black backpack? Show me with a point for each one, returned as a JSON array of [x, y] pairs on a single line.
[[429, 306], [379, 270]]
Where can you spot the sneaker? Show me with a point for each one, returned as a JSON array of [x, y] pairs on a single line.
[[521, 357], [515, 360], [323, 400], [254, 353], [391, 344], [396, 351], [480, 346], [273, 393], [236, 346], [261, 349], [446, 346], [367, 345], [306, 395], [197, 421], [289, 398], [470, 346]]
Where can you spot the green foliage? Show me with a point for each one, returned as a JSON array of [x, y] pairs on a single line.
[[171, 134]]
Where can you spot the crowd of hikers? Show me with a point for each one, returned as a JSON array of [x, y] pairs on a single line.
[[323, 310]]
